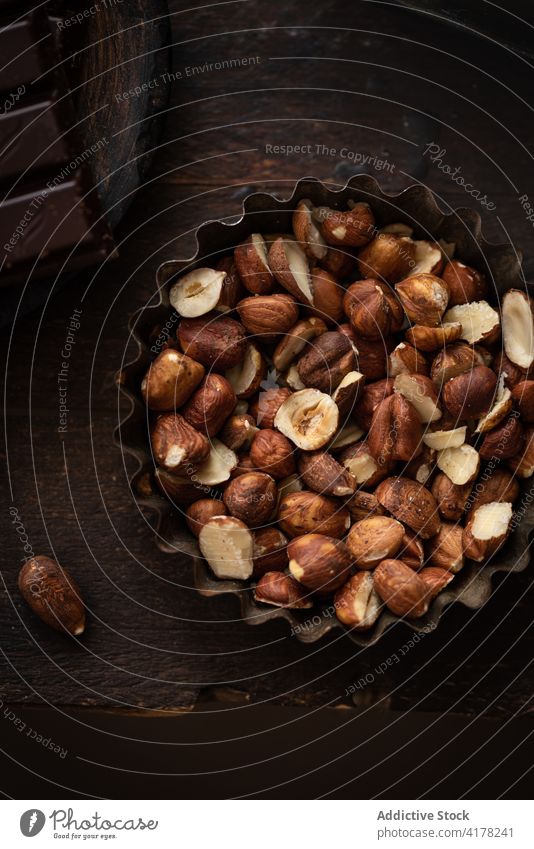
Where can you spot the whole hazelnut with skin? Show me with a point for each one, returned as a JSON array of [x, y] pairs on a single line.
[[265, 407], [328, 360], [351, 228], [177, 447], [357, 603], [395, 432], [273, 453], [270, 551], [170, 380], [201, 511], [305, 512], [372, 309], [402, 590], [217, 343], [268, 316], [470, 394], [465, 284], [424, 298], [320, 563], [251, 497], [211, 404], [327, 297], [281, 591], [53, 594], [387, 257]]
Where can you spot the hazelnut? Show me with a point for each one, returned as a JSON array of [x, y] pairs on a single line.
[[295, 340], [371, 396], [52, 594], [433, 338], [306, 231], [170, 380], [504, 441], [373, 356], [372, 309], [272, 452], [495, 485], [465, 283], [238, 432], [211, 404], [438, 439], [357, 603], [461, 465], [471, 394], [421, 393], [308, 418], [348, 434], [523, 397], [374, 539], [453, 360], [395, 432], [428, 258], [347, 392], [445, 549], [362, 465], [307, 512], [197, 292], [340, 263], [247, 376], [251, 497], [518, 328], [405, 359], [486, 529], [270, 551], [479, 321], [321, 563], [450, 498], [265, 407], [523, 463], [289, 265], [322, 473], [232, 289], [411, 551], [512, 374], [218, 467], [201, 511], [352, 228], [281, 591], [327, 296], [410, 503], [176, 446], [227, 545], [329, 359], [422, 467], [217, 343], [250, 258], [387, 257], [179, 489], [424, 298], [364, 504], [435, 579], [267, 316], [402, 590]]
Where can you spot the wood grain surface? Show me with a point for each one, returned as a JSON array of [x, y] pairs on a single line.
[[364, 87]]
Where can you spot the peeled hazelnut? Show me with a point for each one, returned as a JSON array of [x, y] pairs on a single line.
[[238, 432], [405, 359], [371, 396], [402, 590], [306, 231], [435, 579], [364, 504], [387, 257], [455, 359], [460, 464], [479, 321], [328, 360], [307, 512], [348, 391], [176, 446], [523, 397], [227, 545], [421, 393], [357, 603], [471, 394], [372, 309], [433, 338], [465, 283], [327, 297], [308, 418], [518, 327], [321, 563], [267, 316], [251, 262], [294, 341], [290, 266], [321, 473], [281, 591], [504, 441], [201, 511], [523, 463], [170, 380], [218, 467], [273, 453], [266, 406], [424, 298], [428, 258], [362, 465], [494, 485], [246, 377], [53, 595], [410, 503], [270, 551], [197, 292], [450, 498], [352, 228], [395, 432], [211, 404], [217, 343], [374, 539], [445, 549], [486, 529], [251, 497]]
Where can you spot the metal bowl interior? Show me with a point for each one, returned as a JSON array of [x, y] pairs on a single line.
[[415, 206]]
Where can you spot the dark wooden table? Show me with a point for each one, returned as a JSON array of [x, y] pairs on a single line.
[[252, 80]]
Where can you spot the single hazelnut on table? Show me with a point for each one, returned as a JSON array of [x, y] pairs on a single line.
[[273, 453], [53, 595], [321, 563], [217, 343], [327, 361], [251, 497], [210, 405], [227, 545], [170, 380], [270, 551], [387, 257], [465, 284], [281, 591], [486, 530], [201, 511], [268, 316], [308, 512], [177, 447], [357, 603], [374, 539], [402, 590], [251, 261]]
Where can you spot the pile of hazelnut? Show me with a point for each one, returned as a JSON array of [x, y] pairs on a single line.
[[343, 414]]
